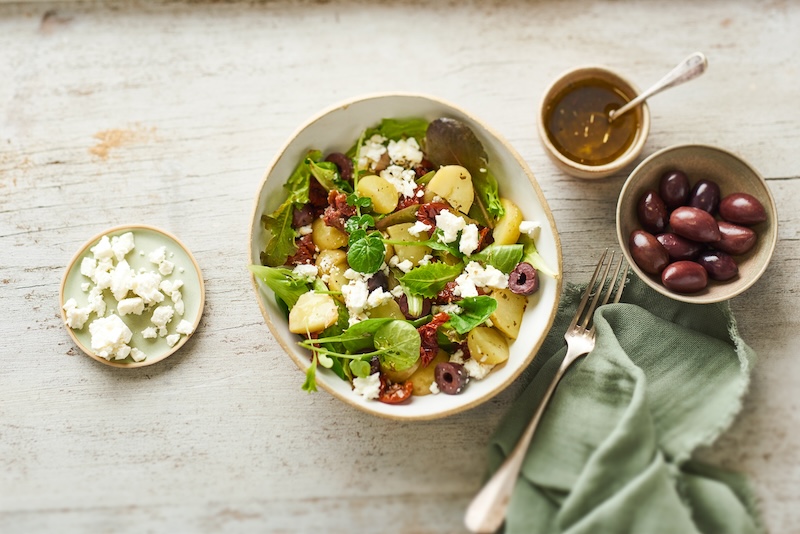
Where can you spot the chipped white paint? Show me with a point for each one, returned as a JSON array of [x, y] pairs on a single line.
[[168, 115]]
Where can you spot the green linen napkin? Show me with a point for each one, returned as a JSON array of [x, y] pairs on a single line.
[[612, 453]]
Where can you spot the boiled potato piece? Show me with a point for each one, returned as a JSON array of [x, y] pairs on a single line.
[[384, 196], [327, 237], [388, 309], [314, 312], [508, 316], [413, 253], [454, 184], [422, 379], [506, 231], [333, 263], [487, 345]]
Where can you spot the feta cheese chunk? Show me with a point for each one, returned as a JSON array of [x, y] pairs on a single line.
[[173, 339], [369, 387], [403, 180], [110, 337], [146, 285], [307, 271], [530, 228], [475, 276], [138, 355], [121, 280], [133, 305], [166, 267], [184, 327], [158, 255], [419, 227], [162, 315], [477, 370], [150, 333], [76, 316], [405, 152], [88, 266], [371, 151], [469, 240], [103, 248], [121, 245], [450, 225]]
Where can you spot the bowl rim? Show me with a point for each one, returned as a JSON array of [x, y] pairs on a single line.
[[399, 416], [580, 170], [689, 298]]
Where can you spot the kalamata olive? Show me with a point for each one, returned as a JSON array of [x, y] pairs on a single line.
[[403, 303], [674, 189], [303, 216], [374, 365], [735, 239], [684, 277], [679, 248], [742, 208], [705, 196], [719, 265], [695, 224], [450, 377], [344, 164], [652, 212], [377, 280], [523, 280], [647, 252]]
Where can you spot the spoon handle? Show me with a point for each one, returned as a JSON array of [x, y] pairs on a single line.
[[688, 69]]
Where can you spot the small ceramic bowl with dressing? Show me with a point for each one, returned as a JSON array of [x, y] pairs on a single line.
[[574, 125]]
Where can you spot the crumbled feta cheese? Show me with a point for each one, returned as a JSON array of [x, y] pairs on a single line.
[[469, 240], [123, 352], [122, 245], [166, 267], [426, 259], [449, 309], [530, 228], [305, 230], [121, 280], [172, 339], [162, 315], [450, 225], [403, 180], [110, 336], [378, 297], [355, 295], [397, 291], [169, 286], [103, 248], [434, 388], [149, 333], [96, 302], [180, 307], [371, 151], [475, 276], [76, 316], [405, 265], [184, 327], [477, 370], [457, 357], [138, 355], [158, 255], [133, 305], [88, 266], [405, 152], [306, 271], [369, 387], [419, 227], [146, 285], [85, 286]]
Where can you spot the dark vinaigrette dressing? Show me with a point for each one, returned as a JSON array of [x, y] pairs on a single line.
[[577, 123]]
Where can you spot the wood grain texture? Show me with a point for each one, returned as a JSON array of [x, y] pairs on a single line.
[[169, 113]]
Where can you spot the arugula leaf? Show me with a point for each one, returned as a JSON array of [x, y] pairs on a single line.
[[501, 257], [325, 172], [401, 343], [283, 282], [474, 311], [398, 128], [532, 256], [366, 252], [428, 280]]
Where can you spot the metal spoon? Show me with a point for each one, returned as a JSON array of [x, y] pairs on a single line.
[[688, 69]]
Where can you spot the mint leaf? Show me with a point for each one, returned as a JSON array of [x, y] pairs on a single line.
[[282, 282], [474, 312], [401, 343], [501, 257], [428, 280]]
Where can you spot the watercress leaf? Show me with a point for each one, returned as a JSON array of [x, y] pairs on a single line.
[[398, 128], [532, 256], [298, 182], [310, 384], [474, 312], [281, 242], [283, 282], [501, 257], [366, 253], [401, 342], [354, 339], [357, 234], [325, 172], [360, 368], [428, 280]]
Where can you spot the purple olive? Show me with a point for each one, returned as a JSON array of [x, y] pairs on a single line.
[[403, 303], [719, 265], [684, 277], [679, 248], [524, 279], [652, 212], [379, 279], [303, 216], [742, 208], [674, 189], [343, 163], [450, 377], [647, 252], [695, 224], [735, 239], [705, 196]]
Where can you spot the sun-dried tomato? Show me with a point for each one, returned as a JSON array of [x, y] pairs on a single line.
[[338, 210], [416, 198], [427, 212], [446, 295], [429, 345], [424, 167], [395, 393], [485, 238], [305, 251]]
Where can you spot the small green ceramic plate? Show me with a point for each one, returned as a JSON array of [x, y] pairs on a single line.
[[147, 239]]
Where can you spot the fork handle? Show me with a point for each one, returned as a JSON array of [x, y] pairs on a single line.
[[487, 510]]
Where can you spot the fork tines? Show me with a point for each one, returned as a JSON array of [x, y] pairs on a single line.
[[612, 285]]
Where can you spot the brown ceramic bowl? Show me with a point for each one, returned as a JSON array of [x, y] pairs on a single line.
[[641, 114], [733, 175]]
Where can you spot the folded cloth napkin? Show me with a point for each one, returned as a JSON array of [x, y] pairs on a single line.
[[612, 453]]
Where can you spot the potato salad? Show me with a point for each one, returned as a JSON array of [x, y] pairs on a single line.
[[399, 264]]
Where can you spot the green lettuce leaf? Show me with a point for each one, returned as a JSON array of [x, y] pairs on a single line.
[[428, 280], [283, 282], [474, 312]]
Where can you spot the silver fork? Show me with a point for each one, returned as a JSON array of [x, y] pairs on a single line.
[[487, 510]]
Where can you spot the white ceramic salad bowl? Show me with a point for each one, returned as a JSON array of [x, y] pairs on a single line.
[[336, 129]]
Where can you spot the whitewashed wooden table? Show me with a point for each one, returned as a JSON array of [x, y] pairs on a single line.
[[168, 114]]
